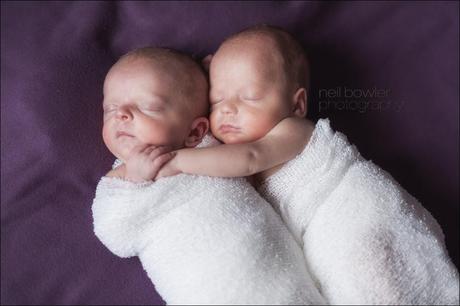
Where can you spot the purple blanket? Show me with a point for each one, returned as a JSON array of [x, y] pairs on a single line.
[[385, 73]]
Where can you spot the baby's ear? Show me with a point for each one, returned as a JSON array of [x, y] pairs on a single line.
[[299, 107], [206, 62], [200, 127]]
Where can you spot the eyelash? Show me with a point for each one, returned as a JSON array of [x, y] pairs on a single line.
[[150, 109], [216, 101], [245, 99], [108, 110]]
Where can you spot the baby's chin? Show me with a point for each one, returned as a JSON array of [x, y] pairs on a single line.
[[233, 139], [122, 151]]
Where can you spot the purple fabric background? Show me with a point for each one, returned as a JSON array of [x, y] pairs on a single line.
[[53, 60]]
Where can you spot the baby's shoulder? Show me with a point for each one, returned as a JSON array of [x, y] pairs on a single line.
[[294, 124]]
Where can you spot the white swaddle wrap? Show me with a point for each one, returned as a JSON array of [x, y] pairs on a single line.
[[365, 239], [204, 240]]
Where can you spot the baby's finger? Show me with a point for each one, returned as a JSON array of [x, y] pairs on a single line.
[[137, 149], [148, 149], [163, 159], [159, 151]]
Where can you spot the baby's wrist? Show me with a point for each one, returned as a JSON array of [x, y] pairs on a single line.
[[175, 162], [134, 176]]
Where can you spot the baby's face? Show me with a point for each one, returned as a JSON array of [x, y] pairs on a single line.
[[142, 105], [248, 94]]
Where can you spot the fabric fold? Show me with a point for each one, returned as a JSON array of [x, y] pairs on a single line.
[[204, 240], [366, 240]]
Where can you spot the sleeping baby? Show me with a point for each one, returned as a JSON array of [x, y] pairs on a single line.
[[201, 240], [365, 239]]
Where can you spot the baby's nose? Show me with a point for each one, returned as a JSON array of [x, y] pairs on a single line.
[[124, 114], [229, 108]]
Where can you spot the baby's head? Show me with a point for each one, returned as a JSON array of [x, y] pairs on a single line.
[[258, 77], [154, 96]]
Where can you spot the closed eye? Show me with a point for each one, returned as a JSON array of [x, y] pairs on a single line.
[[109, 108], [215, 101], [152, 109], [251, 95], [251, 98]]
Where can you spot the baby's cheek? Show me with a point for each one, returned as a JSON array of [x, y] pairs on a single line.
[[106, 136], [158, 134], [213, 119], [110, 142], [261, 125], [213, 122]]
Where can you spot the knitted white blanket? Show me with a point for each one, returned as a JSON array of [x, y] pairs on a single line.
[[204, 240], [365, 239]]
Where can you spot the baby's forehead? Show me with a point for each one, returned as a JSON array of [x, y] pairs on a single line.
[[143, 65], [256, 55], [265, 45], [149, 70]]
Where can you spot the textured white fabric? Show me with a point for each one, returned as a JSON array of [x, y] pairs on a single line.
[[204, 240], [365, 239]]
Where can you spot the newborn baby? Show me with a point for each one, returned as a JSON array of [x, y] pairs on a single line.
[[202, 240], [365, 239]]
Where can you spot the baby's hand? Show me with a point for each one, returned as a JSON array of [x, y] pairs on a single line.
[[145, 162], [170, 168]]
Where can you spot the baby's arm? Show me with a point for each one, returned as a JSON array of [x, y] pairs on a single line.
[[287, 139], [120, 203], [118, 208]]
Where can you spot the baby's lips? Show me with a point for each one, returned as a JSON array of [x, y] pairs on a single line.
[[123, 133]]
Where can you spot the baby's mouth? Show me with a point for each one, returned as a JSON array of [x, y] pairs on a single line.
[[123, 134], [228, 128]]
